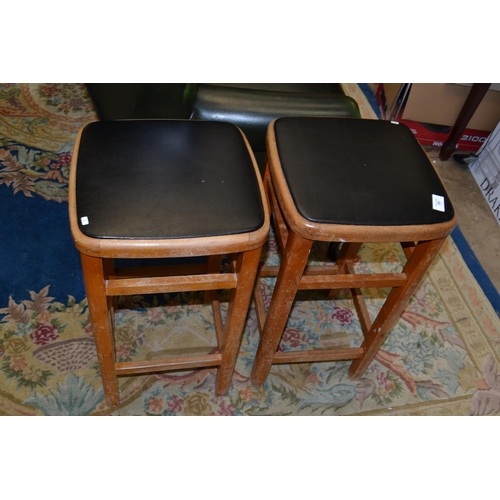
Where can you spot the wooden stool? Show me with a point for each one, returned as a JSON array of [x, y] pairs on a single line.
[[351, 181], [166, 189]]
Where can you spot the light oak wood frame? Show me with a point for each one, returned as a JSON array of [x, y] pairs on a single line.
[[295, 236], [103, 283]]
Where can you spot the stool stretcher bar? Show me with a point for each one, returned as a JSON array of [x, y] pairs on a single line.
[[165, 364], [170, 284], [318, 355]]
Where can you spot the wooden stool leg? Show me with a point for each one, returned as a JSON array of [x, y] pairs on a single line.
[[348, 253], [396, 301], [239, 304], [290, 273], [100, 315], [213, 267]]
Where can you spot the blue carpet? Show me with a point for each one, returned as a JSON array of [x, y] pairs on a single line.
[[36, 248]]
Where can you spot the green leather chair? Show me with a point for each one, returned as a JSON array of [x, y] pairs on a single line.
[[249, 106]]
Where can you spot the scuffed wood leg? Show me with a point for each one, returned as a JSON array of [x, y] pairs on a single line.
[[100, 315], [213, 267], [287, 282], [394, 305], [348, 253], [239, 304]]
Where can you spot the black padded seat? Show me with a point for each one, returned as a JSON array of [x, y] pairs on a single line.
[[157, 179], [359, 172]]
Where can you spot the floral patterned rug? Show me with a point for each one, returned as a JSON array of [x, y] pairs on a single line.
[[442, 357], [38, 125]]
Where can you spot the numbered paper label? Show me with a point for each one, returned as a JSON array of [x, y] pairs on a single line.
[[438, 203]]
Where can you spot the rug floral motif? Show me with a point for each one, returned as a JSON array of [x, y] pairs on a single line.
[[38, 126]]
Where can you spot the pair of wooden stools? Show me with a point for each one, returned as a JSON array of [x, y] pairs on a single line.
[[168, 189]]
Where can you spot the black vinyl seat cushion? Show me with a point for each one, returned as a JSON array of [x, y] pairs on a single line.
[[359, 172], [155, 179]]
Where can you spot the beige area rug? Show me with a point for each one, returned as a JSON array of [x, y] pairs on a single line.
[[442, 357]]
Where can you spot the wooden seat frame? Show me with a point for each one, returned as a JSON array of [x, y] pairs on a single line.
[[104, 283], [295, 236]]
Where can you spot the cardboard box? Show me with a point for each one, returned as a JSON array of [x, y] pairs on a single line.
[[441, 103], [430, 111]]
